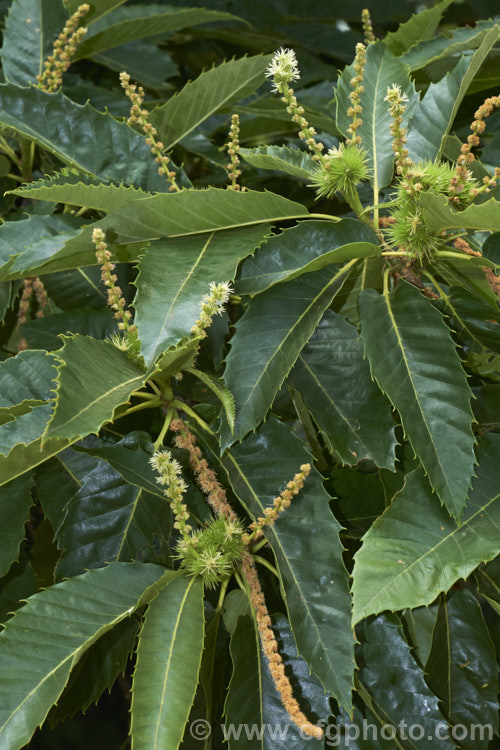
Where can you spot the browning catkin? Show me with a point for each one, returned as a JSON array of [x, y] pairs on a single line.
[[270, 648]]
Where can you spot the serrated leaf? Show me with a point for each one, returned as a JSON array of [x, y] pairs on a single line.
[[78, 189], [439, 215], [253, 703], [461, 272], [168, 662], [296, 307], [67, 619], [422, 376], [420, 623], [209, 92], [15, 502], [96, 671], [28, 38], [138, 22], [462, 669], [307, 549], [472, 319], [94, 378], [488, 583], [45, 333], [284, 159], [397, 687], [433, 116], [71, 131], [109, 520], [383, 69], [223, 394], [393, 572], [446, 45], [418, 28], [309, 246], [334, 380], [174, 277]]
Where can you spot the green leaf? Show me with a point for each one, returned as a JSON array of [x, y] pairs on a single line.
[[223, 394], [472, 319], [415, 549], [20, 582], [488, 583], [174, 277], [284, 159], [77, 189], [462, 669], [396, 686], [433, 116], [200, 99], [168, 662], [64, 621], [261, 356], [468, 274], [80, 136], [309, 246], [419, 27], [439, 215], [420, 623], [15, 502], [30, 30], [138, 22], [253, 703], [45, 333], [96, 671], [85, 400], [446, 45], [307, 549], [109, 520], [422, 376], [383, 69], [334, 381]]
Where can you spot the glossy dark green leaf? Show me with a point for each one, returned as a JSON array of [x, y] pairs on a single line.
[[462, 669], [422, 376], [488, 583], [472, 319], [66, 619], [420, 622], [253, 708], [415, 549], [138, 22], [309, 246], [45, 333], [362, 731], [109, 520], [296, 307], [417, 28], [486, 405], [175, 275], [439, 215], [359, 499], [168, 663], [446, 45], [20, 582], [15, 502], [433, 116], [383, 69], [85, 399], [96, 671], [397, 688], [307, 549], [199, 99], [334, 380], [71, 131], [31, 27]]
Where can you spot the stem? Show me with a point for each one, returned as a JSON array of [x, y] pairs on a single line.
[[166, 424], [222, 594], [242, 584], [144, 394], [328, 217], [27, 155], [154, 387], [15, 177], [386, 281], [81, 211], [375, 207], [139, 407], [266, 564], [259, 545], [451, 254], [187, 409], [353, 199]]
